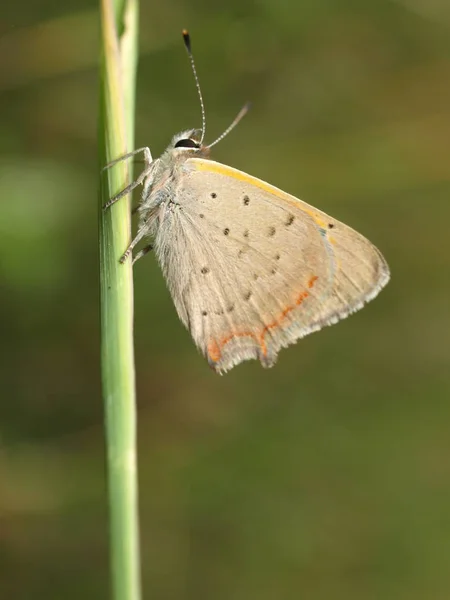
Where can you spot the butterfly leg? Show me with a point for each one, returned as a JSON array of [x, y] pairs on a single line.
[[142, 252], [147, 157], [140, 234], [145, 173], [128, 189]]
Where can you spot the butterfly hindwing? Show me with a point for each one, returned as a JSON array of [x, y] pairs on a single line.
[[253, 269]]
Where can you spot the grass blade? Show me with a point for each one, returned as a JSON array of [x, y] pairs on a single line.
[[116, 125]]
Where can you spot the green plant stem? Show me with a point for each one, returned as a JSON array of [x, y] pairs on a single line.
[[116, 125]]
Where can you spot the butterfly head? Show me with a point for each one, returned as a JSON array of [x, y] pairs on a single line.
[[189, 143]]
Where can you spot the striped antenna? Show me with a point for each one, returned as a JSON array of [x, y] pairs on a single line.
[[187, 43], [244, 110]]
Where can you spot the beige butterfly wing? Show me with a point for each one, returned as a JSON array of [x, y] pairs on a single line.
[[254, 269]]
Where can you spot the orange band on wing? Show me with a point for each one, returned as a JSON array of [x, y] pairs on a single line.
[[215, 348]]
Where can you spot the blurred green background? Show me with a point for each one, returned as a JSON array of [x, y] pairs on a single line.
[[327, 477]]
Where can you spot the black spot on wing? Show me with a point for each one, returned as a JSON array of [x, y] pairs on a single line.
[[290, 219]]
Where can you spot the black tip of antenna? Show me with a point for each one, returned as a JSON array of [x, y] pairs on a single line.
[[187, 39]]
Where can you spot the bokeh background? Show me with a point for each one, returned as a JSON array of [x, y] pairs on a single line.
[[325, 477]]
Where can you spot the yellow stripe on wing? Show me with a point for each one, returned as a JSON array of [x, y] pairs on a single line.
[[214, 167]]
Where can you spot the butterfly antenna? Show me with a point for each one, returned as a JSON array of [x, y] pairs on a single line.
[[244, 110], [187, 43]]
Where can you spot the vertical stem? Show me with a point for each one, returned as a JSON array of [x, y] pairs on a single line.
[[116, 125]]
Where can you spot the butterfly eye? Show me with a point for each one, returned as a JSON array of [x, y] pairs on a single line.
[[187, 143]]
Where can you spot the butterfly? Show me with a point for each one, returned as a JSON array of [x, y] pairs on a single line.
[[250, 268]]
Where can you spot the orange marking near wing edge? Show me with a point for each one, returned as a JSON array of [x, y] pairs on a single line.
[[214, 349], [312, 281], [214, 352]]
